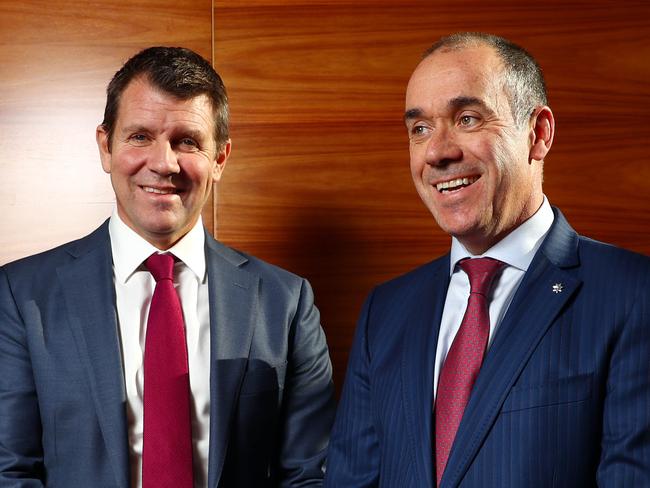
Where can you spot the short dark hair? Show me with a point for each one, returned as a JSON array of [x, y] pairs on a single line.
[[174, 70], [524, 79]]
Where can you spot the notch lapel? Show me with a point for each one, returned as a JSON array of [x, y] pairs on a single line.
[[89, 295], [530, 314], [418, 357], [233, 298]]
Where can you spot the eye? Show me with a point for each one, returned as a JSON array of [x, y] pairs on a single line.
[[466, 120], [418, 131], [189, 144], [138, 138]]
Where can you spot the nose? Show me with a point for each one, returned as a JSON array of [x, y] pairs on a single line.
[[163, 159], [442, 148]]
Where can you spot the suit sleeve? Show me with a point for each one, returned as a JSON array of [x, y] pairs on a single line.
[[21, 453], [625, 457], [309, 398], [353, 460]]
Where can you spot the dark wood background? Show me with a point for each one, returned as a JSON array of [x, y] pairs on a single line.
[[318, 181]]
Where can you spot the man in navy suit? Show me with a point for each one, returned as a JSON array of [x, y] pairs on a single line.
[[73, 319], [562, 396]]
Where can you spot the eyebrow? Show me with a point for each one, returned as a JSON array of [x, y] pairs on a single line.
[[462, 102], [412, 113], [191, 133], [128, 129], [454, 104]]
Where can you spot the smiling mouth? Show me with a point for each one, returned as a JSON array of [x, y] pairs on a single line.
[[159, 191], [457, 184]]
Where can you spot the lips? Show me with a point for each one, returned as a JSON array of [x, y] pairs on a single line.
[[455, 184], [160, 191]]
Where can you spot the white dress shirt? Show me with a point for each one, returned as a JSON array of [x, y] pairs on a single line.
[[134, 287], [517, 250]]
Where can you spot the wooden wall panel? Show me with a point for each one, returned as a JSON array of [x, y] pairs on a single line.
[[56, 58], [318, 180]]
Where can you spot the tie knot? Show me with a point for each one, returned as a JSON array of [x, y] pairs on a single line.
[[161, 266], [481, 273]]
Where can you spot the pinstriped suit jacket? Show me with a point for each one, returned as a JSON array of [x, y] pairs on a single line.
[[562, 398]]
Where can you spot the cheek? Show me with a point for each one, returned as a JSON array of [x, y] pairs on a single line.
[[498, 157], [418, 178], [417, 164], [199, 172], [128, 162], [485, 148], [512, 180]]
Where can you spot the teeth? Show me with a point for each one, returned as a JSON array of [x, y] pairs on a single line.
[[452, 184], [148, 189]]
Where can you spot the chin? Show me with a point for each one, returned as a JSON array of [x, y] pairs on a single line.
[[455, 224], [469, 236], [161, 229]]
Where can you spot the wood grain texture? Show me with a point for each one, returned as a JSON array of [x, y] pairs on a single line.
[[318, 181], [56, 58]]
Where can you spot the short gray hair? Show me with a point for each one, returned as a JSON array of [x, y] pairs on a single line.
[[524, 80]]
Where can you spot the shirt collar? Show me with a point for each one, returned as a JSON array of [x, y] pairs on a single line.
[[517, 248], [130, 249]]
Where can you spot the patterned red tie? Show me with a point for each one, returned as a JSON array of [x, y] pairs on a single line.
[[167, 449], [464, 358]]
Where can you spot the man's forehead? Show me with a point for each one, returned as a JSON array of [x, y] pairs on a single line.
[[141, 85], [455, 78], [144, 98], [477, 63]]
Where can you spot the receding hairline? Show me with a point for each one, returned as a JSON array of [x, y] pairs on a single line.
[[522, 75], [465, 46], [463, 40]]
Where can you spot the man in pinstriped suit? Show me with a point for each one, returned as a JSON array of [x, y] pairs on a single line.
[[562, 397]]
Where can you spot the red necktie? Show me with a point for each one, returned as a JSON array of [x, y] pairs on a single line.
[[167, 448], [464, 358]]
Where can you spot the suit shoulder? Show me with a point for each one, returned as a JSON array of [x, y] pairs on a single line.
[[47, 259], [271, 271], [613, 259], [423, 271], [38, 260], [612, 271], [401, 287], [40, 266], [265, 270]]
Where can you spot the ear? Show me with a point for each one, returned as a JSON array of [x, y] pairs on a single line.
[[541, 133], [220, 161], [101, 136]]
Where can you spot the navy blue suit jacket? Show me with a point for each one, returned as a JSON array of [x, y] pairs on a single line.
[[62, 394], [562, 398]]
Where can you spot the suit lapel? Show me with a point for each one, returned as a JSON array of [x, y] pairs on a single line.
[[89, 295], [233, 313], [418, 355], [536, 304]]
